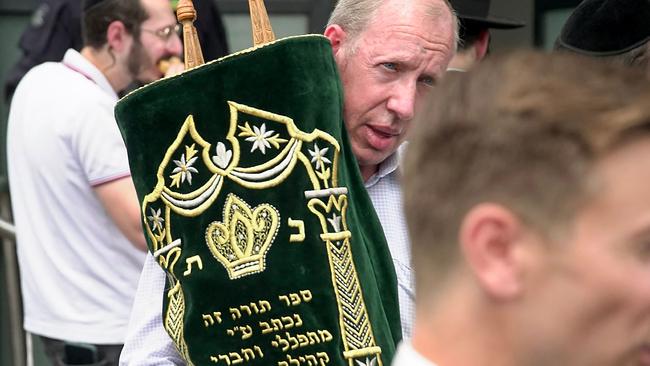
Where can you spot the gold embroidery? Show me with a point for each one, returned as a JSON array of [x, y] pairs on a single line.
[[300, 225], [195, 202], [320, 358], [356, 329], [246, 331], [190, 261], [174, 320], [243, 237], [297, 137], [169, 261], [235, 357], [294, 298], [209, 319], [301, 339], [258, 307], [241, 242], [277, 324]]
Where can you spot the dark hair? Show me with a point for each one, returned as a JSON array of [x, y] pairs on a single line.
[[468, 33], [97, 18]]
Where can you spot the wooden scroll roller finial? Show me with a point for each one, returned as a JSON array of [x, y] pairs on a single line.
[[262, 31], [186, 15]]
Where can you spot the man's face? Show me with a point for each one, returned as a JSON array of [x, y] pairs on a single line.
[[152, 45], [590, 303], [385, 72]]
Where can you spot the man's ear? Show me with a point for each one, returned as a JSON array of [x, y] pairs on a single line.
[[481, 44], [491, 240], [336, 35], [117, 36]]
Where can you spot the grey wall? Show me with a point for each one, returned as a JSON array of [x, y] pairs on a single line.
[[523, 10], [288, 18]]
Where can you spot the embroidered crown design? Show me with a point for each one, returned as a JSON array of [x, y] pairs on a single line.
[[240, 243]]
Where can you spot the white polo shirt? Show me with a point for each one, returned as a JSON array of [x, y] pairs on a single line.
[[78, 272]]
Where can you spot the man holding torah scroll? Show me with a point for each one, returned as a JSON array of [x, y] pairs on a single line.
[[281, 149]]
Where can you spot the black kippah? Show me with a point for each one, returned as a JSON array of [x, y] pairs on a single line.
[[87, 4], [606, 27]]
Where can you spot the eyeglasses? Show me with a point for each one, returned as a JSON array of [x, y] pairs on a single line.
[[165, 33]]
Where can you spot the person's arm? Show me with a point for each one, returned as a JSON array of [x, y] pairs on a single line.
[[147, 342], [96, 144], [121, 203]]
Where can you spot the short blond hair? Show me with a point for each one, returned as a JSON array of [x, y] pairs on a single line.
[[353, 16], [523, 131]]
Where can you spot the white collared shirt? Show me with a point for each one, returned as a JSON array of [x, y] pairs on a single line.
[[386, 195], [406, 355]]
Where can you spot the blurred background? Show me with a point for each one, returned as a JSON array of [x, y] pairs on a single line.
[[543, 19]]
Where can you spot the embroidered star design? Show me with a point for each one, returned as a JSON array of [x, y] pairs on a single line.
[[318, 156], [185, 168], [155, 218], [259, 138]]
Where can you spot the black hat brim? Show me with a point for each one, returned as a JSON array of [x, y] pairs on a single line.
[[561, 44], [492, 22]]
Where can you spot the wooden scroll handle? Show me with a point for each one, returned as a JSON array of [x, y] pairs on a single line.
[[186, 15], [262, 31]]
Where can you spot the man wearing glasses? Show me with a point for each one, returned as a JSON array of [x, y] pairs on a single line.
[[55, 26], [79, 236]]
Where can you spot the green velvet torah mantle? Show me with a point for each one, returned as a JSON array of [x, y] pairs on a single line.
[[253, 205]]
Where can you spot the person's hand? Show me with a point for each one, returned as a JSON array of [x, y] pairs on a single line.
[[172, 66]]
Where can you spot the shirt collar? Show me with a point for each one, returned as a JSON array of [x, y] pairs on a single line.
[[76, 61], [388, 166], [407, 355]]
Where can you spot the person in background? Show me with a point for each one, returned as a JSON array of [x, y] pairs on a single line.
[[390, 54], [610, 30], [56, 26], [526, 196], [78, 230], [474, 35]]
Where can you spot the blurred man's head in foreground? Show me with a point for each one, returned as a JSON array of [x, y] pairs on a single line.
[[528, 204]]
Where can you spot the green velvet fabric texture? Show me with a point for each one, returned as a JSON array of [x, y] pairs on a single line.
[[197, 159]]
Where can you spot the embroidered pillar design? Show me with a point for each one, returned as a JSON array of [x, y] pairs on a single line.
[[356, 329]]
